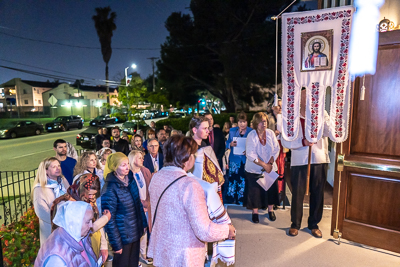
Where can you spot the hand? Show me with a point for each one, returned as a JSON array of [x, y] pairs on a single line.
[[244, 153], [308, 143], [107, 213], [232, 232], [233, 143], [104, 254], [267, 167], [277, 132], [118, 252]]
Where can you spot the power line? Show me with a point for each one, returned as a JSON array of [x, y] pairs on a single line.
[[51, 70], [52, 76], [76, 46]]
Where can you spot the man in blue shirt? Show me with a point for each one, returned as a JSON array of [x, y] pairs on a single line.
[[67, 163]]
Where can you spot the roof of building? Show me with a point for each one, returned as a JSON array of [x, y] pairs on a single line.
[[41, 84], [52, 85]]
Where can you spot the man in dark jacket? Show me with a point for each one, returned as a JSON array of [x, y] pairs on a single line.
[[154, 159], [215, 139], [99, 138], [118, 144]]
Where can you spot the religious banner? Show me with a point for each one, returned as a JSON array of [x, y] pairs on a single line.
[[315, 48]]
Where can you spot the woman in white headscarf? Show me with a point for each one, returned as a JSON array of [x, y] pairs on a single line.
[[69, 244], [49, 184]]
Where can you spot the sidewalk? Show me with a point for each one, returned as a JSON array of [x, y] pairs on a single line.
[[267, 244]]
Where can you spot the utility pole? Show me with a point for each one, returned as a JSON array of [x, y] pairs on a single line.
[[154, 79]]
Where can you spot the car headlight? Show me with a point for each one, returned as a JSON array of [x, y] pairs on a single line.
[[3, 131]]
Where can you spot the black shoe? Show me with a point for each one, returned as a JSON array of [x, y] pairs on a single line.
[[254, 218], [275, 207], [271, 216]]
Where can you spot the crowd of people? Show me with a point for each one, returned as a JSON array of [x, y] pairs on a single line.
[[112, 197]]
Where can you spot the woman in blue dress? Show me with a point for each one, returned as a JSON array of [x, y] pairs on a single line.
[[236, 181]]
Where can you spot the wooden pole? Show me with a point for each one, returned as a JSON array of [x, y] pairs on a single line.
[[308, 171]]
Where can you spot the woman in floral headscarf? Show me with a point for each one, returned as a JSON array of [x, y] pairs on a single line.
[[69, 244]]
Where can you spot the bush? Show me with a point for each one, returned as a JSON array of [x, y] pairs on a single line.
[[21, 241]]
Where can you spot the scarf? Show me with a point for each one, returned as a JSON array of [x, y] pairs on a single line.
[[57, 186], [70, 215], [223, 250], [112, 163]]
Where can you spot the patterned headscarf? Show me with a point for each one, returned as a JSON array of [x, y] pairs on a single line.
[[113, 161]]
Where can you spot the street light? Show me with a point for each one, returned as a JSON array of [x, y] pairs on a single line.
[[134, 66]]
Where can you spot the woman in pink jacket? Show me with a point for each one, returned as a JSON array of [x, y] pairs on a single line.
[[181, 224]]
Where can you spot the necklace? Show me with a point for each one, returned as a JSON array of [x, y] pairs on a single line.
[[263, 140]]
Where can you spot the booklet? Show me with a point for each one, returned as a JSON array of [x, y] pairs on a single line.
[[240, 147], [267, 180]]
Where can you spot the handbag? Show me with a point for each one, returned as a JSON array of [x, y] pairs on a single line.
[[158, 202]]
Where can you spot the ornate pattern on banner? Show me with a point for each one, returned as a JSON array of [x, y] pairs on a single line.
[[314, 109], [339, 98], [339, 108]]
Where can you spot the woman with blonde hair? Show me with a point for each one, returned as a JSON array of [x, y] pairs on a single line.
[[142, 176], [262, 149], [88, 163], [120, 195], [49, 184]]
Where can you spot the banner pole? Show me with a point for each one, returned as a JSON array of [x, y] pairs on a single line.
[[308, 171]]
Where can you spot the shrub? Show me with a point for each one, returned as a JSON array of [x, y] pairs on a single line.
[[20, 240]]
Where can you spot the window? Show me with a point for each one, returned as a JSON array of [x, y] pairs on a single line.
[[50, 95], [26, 102], [24, 92], [40, 101], [28, 123]]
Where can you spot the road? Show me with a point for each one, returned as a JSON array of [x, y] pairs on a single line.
[[25, 153]]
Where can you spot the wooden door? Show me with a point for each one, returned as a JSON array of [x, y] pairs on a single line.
[[369, 201]]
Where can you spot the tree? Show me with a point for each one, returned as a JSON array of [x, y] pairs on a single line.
[[226, 48], [130, 96], [104, 23]]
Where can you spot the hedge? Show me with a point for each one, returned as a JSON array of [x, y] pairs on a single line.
[[21, 241], [183, 123]]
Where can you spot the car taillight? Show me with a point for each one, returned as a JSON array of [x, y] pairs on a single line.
[[78, 136], [134, 130]]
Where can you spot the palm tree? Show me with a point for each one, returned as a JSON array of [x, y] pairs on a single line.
[[104, 22]]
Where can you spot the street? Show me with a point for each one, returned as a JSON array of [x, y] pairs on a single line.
[[25, 153]]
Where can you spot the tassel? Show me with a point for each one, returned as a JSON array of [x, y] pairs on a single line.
[[362, 91]]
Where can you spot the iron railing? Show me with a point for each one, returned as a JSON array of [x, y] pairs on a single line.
[[15, 194]]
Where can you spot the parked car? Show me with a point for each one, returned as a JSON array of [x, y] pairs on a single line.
[[20, 128], [159, 114], [131, 126], [64, 123], [146, 114], [103, 120]]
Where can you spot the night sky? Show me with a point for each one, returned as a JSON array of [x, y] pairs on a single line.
[[140, 24]]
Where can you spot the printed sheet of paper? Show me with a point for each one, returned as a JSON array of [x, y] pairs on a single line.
[[268, 179], [240, 146]]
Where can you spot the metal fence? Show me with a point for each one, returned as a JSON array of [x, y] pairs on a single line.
[[15, 194]]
